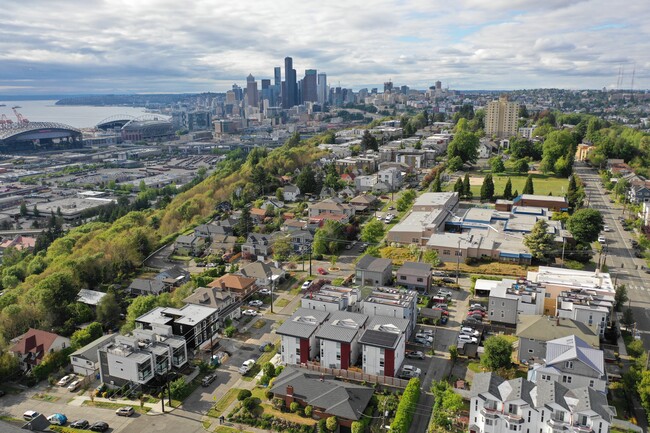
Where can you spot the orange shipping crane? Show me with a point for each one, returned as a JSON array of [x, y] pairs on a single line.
[[20, 117], [4, 121]]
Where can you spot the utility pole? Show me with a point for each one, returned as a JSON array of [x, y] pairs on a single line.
[[563, 246]]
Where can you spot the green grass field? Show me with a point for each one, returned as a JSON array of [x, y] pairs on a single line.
[[543, 184]]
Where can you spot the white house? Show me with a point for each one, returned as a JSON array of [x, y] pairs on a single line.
[[298, 334], [290, 193], [339, 339], [331, 298], [588, 308], [389, 302], [383, 345], [85, 361]]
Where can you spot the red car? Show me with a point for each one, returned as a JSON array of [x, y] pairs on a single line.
[[443, 312], [477, 312], [321, 271]]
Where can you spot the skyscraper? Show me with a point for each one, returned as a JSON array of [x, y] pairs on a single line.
[[277, 87], [266, 93], [251, 91], [310, 86], [388, 87], [501, 118], [322, 88], [289, 96]]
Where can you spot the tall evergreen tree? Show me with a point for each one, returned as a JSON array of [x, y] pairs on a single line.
[[507, 190], [458, 186], [539, 241], [529, 187], [487, 189], [574, 194], [436, 185], [467, 191], [369, 142]]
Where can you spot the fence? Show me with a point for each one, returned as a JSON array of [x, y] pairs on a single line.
[[356, 376]]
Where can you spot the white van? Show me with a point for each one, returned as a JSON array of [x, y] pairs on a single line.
[[30, 415]]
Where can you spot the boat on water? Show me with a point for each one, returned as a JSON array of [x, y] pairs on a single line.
[[3, 105], [16, 106]]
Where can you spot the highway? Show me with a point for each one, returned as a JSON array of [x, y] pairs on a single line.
[[623, 266]]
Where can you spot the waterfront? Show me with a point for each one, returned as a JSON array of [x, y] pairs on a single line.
[[78, 116]]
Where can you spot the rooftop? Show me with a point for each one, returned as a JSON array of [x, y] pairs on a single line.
[[394, 297], [436, 199], [303, 323], [572, 278], [545, 328]]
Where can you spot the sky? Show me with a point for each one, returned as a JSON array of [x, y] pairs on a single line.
[[174, 46]]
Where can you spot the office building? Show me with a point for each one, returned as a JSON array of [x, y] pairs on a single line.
[[501, 118], [323, 92], [290, 87], [310, 86], [251, 91]]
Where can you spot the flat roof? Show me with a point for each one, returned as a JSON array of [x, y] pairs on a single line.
[[573, 278], [439, 199], [416, 221]]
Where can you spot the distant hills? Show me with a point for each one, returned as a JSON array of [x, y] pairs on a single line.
[[136, 100]]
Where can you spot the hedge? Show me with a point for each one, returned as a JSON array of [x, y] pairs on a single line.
[[406, 408]]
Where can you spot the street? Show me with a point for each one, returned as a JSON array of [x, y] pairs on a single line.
[[623, 266]]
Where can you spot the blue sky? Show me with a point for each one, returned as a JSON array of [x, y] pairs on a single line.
[[145, 46]]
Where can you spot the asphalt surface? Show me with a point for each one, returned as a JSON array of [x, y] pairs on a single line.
[[623, 266]]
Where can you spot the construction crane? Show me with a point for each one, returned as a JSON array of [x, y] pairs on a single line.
[[20, 117], [4, 122]]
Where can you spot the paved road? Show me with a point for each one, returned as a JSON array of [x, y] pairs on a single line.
[[623, 266]]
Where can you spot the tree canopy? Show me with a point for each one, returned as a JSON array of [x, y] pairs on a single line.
[[497, 354], [373, 231], [586, 224], [539, 241], [464, 145]]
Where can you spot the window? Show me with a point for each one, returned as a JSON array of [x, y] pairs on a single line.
[[338, 356], [591, 383], [568, 364], [298, 351], [381, 362], [566, 379], [402, 277], [513, 427], [446, 252], [502, 314], [488, 422], [503, 304], [420, 280], [528, 416], [542, 418]]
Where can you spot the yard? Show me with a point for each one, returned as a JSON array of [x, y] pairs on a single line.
[[218, 409], [267, 408], [492, 268], [542, 183], [115, 406]]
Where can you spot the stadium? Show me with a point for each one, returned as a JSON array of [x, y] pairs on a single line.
[[38, 136]]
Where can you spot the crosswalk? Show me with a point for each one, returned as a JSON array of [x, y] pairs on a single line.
[[637, 287]]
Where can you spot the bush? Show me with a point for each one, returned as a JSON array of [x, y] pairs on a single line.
[[294, 407], [243, 394], [268, 394], [229, 331], [180, 389], [357, 427], [264, 380], [406, 408], [269, 370], [635, 348], [309, 411], [249, 403], [332, 423], [322, 425]]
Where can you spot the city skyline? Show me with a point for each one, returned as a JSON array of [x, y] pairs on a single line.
[[158, 46]]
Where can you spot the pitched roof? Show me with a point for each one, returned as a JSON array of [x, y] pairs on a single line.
[[342, 326], [573, 348], [210, 296], [174, 272], [341, 399], [544, 328], [90, 297], [370, 263], [232, 281], [415, 268], [303, 323], [590, 400], [89, 351], [260, 270], [34, 340], [155, 287]]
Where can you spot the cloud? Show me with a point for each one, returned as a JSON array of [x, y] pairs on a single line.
[[170, 46]]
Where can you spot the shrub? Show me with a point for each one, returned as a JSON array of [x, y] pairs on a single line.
[[269, 370], [180, 389], [268, 394], [308, 411], [332, 423], [229, 331], [406, 408], [278, 370], [294, 407], [322, 425], [249, 403], [635, 348], [357, 427], [264, 380], [243, 394]]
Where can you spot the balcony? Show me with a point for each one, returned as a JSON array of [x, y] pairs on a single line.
[[579, 428], [489, 412], [513, 418], [558, 424]]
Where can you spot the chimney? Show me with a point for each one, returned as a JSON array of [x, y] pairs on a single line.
[[288, 399], [223, 285]]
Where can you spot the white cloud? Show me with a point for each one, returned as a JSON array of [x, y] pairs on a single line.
[[164, 45]]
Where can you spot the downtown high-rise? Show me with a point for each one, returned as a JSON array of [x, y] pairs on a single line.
[[289, 95]]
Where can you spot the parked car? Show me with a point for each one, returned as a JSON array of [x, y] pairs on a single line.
[[477, 307], [638, 254], [471, 320], [607, 229], [443, 320], [264, 292], [466, 330], [424, 337], [81, 424], [442, 311], [263, 346], [125, 411], [2, 393], [100, 426], [467, 339], [438, 274], [207, 380], [57, 419], [74, 385], [423, 341], [479, 312], [602, 239], [441, 306], [247, 366], [249, 313], [66, 380], [30, 415], [256, 303], [409, 371], [363, 247], [445, 293], [321, 271], [449, 280], [414, 354], [305, 285]]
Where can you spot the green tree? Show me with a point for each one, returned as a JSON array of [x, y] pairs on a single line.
[[406, 408], [453, 353], [368, 141], [243, 394], [87, 335], [539, 241], [306, 181], [529, 188], [282, 249], [487, 189], [454, 164], [458, 187], [406, 200], [575, 194], [497, 165], [497, 353], [431, 257], [507, 190], [467, 187], [373, 232], [520, 165], [464, 145], [628, 318], [332, 424], [586, 224], [357, 427], [245, 223], [620, 297], [8, 365], [279, 194], [436, 186], [37, 213], [329, 239], [23, 209]]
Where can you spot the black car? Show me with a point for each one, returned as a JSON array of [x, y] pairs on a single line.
[[207, 380], [80, 424], [99, 426], [449, 280]]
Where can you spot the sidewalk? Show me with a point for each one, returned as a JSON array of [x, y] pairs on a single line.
[[156, 408], [639, 412]]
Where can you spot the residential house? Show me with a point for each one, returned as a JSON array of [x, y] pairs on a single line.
[[144, 287], [265, 275], [339, 339], [258, 245], [215, 228], [301, 240], [258, 215], [347, 192], [222, 244], [90, 297], [20, 243], [331, 206], [174, 276], [587, 307], [365, 183], [373, 271], [141, 357], [31, 347], [85, 361], [572, 362], [331, 298], [639, 193], [272, 203], [383, 345], [291, 225], [414, 276], [503, 406], [327, 396], [290, 193], [364, 202], [511, 298], [196, 323], [534, 332], [387, 302], [189, 245], [225, 301], [298, 333], [392, 177], [239, 286]]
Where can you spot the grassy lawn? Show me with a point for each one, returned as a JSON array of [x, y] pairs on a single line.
[[475, 366], [398, 255], [226, 429], [259, 324], [180, 258], [217, 410], [45, 397], [114, 406], [288, 416], [542, 183], [281, 303]]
